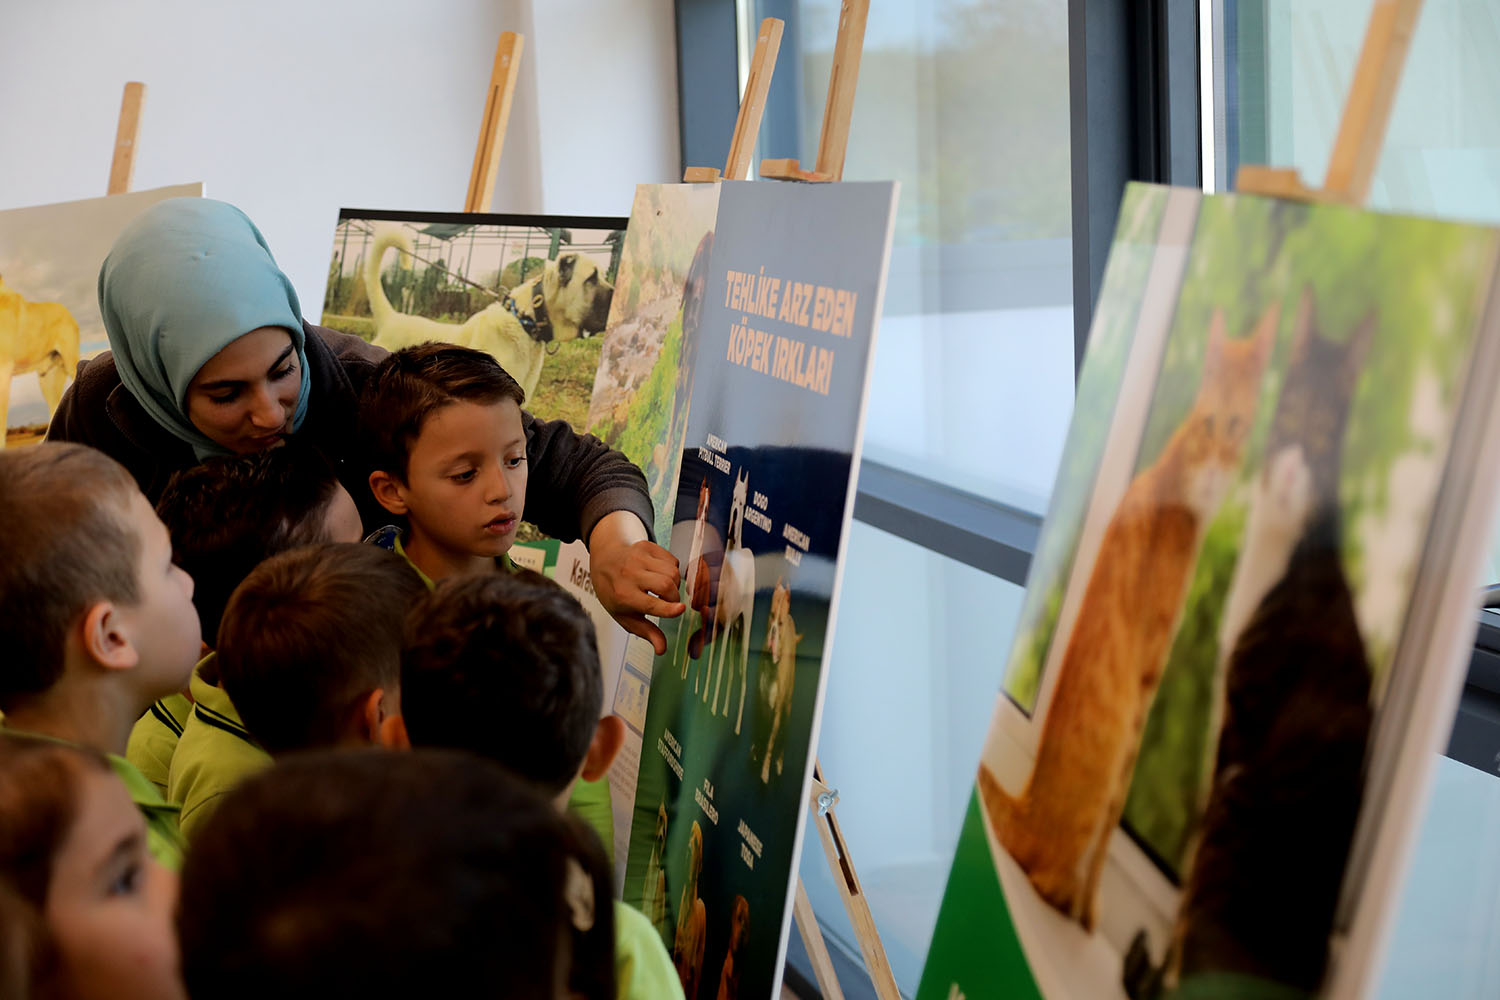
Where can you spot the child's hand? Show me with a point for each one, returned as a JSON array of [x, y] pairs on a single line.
[[633, 576]]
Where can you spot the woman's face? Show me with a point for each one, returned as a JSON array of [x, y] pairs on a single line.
[[244, 397], [109, 905]]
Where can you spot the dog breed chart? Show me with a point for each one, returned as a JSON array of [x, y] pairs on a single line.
[[768, 459]]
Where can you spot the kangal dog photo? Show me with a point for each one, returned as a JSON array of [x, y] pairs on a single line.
[[569, 299]]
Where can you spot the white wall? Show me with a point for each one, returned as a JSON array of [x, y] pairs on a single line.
[[292, 109]]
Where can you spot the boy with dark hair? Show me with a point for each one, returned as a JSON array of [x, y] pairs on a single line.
[[309, 656], [448, 450], [376, 875], [225, 517], [95, 619], [443, 424], [506, 666], [304, 671]]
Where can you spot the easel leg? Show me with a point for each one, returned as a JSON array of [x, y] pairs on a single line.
[[817, 949]]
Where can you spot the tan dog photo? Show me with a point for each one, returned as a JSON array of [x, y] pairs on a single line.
[[569, 299], [39, 337]]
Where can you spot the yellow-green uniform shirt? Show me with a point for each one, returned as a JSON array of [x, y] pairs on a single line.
[[153, 739], [163, 838], [214, 755], [643, 969], [590, 799]]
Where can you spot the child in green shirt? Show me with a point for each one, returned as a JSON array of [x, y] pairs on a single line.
[[506, 666], [96, 620], [310, 656], [78, 881]]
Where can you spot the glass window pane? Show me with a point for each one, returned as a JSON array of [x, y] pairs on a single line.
[[965, 102], [912, 682]]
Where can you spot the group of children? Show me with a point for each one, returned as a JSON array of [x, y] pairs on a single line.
[[378, 767]]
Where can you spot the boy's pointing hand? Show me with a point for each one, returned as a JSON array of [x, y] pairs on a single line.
[[633, 576]]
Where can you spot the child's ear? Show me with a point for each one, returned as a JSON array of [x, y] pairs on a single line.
[[104, 638], [609, 736], [388, 491], [392, 734], [380, 723]]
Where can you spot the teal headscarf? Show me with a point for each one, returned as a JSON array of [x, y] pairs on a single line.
[[183, 281]]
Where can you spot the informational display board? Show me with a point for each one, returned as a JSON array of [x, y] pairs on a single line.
[[1248, 616], [50, 257], [770, 452]]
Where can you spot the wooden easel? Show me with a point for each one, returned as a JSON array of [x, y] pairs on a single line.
[[833, 144], [752, 107], [494, 122], [1367, 113], [122, 165], [833, 141]]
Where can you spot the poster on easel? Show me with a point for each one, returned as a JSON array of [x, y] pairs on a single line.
[[50, 257], [1247, 619], [640, 404], [764, 498]]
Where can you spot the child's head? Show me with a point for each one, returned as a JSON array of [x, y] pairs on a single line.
[[310, 646], [87, 580], [447, 447], [229, 514], [506, 666], [73, 848], [371, 874]]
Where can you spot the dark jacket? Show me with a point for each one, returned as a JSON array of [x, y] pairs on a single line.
[[574, 479]]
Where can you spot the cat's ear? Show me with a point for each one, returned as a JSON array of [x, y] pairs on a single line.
[[1357, 350], [1307, 321]]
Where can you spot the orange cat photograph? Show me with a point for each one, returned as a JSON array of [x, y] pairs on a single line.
[[1180, 772]]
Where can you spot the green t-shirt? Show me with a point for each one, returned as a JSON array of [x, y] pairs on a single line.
[[590, 800], [153, 739], [163, 838], [643, 969], [214, 755]]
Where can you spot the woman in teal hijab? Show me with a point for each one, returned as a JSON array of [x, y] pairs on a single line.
[[209, 355], [184, 284]]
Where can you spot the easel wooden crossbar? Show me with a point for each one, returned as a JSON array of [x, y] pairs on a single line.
[[1367, 113]]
